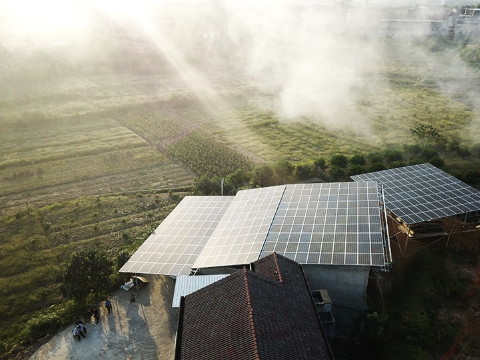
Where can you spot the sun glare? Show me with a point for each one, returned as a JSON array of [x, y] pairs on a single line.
[[45, 20]]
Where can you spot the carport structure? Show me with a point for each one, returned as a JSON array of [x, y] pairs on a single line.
[[426, 202]]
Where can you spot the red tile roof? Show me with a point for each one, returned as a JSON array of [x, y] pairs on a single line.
[[267, 313]]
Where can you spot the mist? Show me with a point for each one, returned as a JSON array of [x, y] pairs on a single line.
[[309, 60]]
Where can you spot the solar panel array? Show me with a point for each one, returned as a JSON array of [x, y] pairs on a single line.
[[240, 235], [329, 223], [423, 192], [176, 243]]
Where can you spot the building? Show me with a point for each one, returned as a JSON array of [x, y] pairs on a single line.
[[266, 312], [336, 231]]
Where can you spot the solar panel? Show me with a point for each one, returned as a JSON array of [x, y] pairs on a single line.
[[240, 235], [328, 223], [177, 241], [419, 193]]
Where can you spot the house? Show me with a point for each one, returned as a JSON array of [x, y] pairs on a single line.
[[265, 312]]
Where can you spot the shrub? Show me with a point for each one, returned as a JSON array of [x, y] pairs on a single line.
[[376, 167], [393, 155], [262, 175], [320, 163], [436, 161], [305, 171], [356, 169], [358, 160], [339, 160], [375, 158], [337, 174]]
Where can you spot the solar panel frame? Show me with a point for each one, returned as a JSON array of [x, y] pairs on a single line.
[[176, 243], [422, 192]]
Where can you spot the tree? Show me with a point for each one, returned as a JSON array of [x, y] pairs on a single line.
[[88, 273], [235, 181], [207, 186], [426, 134]]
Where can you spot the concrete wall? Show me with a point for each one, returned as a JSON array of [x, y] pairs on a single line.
[[347, 285]]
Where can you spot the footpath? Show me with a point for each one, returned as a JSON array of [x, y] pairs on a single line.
[[143, 329]]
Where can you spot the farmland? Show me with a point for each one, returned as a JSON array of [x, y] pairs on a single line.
[[98, 160]]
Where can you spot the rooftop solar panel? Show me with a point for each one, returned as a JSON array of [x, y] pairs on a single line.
[[423, 192], [328, 223], [175, 244], [240, 235]]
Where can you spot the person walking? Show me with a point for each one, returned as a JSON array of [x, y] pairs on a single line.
[[108, 305], [95, 314]]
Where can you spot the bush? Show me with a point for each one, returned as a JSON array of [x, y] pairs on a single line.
[[207, 186], [339, 160], [393, 155], [375, 158], [320, 163], [376, 167], [475, 150], [262, 176], [358, 160], [337, 174], [428, 154], [306, 171], [356, 169], [436, 161]]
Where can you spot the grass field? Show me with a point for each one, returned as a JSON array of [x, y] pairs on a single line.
[[98, 161]]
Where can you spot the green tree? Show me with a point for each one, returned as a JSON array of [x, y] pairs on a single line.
[[426, 134], [87, 274], [235, 181], [207, 186]]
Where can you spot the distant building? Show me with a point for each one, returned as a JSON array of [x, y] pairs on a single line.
[[263, 313]]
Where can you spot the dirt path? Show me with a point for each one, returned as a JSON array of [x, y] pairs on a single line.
[[144, 329]]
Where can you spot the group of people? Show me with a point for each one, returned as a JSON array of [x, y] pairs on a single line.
[[80, 330]]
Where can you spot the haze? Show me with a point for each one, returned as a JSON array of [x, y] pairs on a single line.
[[306, 59]]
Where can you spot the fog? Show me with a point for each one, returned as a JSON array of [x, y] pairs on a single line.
[[307, 59]]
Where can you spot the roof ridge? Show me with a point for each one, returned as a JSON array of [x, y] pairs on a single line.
[[250, 314], [278, 271]]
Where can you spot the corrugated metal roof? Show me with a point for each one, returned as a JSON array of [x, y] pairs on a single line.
[[188, 284]]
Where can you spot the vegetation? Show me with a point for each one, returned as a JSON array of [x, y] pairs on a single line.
[[420, 318], [88, 276]]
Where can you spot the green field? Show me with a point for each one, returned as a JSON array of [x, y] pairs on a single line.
[[98, 161]]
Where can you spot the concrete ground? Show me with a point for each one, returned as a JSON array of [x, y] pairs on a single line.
[[144, 329]]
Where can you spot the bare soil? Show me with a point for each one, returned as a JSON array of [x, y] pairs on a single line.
[[143, 329]]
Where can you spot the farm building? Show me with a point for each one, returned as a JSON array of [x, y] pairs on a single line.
[[336, 231], [263, 313]]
